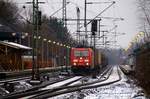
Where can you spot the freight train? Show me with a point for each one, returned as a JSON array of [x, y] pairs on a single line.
[[83, 60]]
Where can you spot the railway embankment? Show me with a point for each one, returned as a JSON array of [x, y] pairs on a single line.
[[142, 68]]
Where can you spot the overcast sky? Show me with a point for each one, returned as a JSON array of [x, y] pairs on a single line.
[[122, 9]]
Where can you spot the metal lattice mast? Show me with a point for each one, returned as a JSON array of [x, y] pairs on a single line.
[[35, 70], [78, 24], [64, 13], [85, 21]]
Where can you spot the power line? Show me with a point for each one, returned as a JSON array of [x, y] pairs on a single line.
[[91, 11]]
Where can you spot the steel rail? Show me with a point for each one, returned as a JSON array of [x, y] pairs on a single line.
[[32, 90], [68, 90], [73, 86], [54, 91], [35, 90]]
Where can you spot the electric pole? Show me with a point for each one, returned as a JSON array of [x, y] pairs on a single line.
[[36, 23], [94, 30], [64, 13], [78, 25], [35, 72], [85, 22]]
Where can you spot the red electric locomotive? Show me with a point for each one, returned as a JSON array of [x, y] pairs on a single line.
[[82, 59]]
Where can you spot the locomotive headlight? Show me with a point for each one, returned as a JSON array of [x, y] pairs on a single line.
[[86, 60], [75, 60], [74, 64], [87, 63]]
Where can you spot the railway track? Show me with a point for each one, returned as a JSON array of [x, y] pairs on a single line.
[[35, 89], [14, 80], [10, 86], [22, 77], [8, 75], [40, 92], [34, 94], [80, 87]]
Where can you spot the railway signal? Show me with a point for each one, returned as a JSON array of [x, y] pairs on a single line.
[[94, 27], [39, 18]]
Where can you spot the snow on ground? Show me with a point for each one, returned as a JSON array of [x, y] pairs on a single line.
[[123, 89], [113, 77], [119, 90], [115, 91], [61, 83]]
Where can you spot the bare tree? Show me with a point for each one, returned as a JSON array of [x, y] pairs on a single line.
[[142, 68], [51, 28], [8, 15], [144, 9]]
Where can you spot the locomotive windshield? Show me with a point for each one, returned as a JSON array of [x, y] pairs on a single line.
[[80, 53]]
